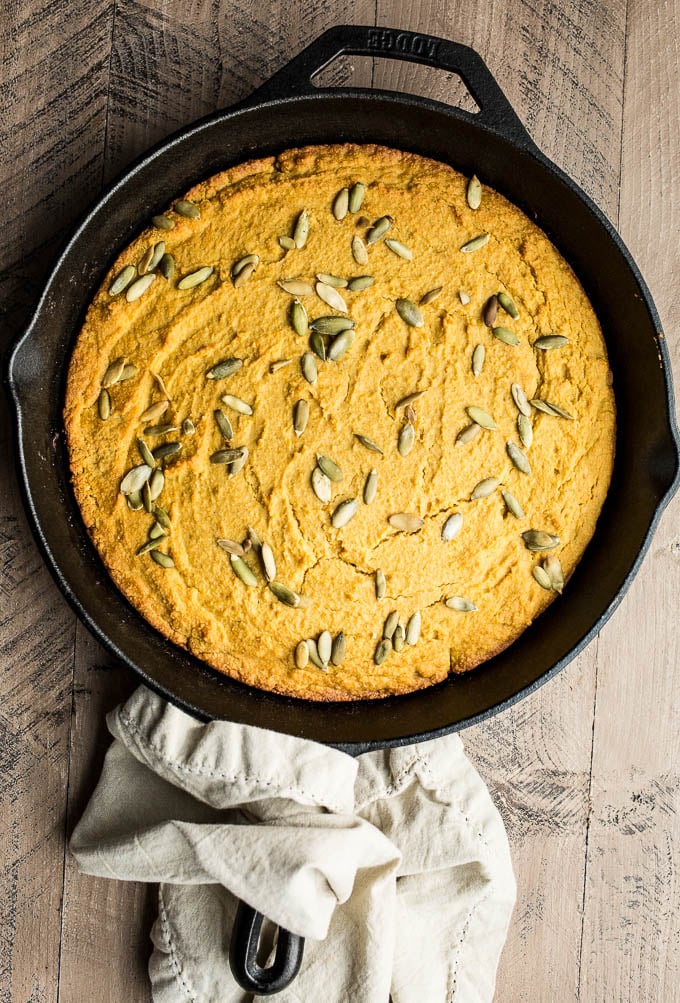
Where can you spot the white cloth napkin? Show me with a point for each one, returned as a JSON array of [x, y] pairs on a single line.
[[395, 866]]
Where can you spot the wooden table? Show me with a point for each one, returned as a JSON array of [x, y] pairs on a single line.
[[586, 770]]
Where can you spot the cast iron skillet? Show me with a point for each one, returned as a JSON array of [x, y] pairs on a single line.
[[289, 111]]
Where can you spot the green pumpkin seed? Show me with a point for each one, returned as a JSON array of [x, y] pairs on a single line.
[[413, 628], [431, 295], [338, 649], [505, 335], [308, 366], [475, 243], [410, 399], [464, 298], [166, 266], [359, 252], [478, 357], [345, 511], [104, 404], [382, 651], [230, 455], [340, 344], [145, 453], [301, 230], [227, 367], [506, 302], [331, 297], [122, 280], [332, 325], [298, 318], [155, 411], [163, 560], [196, 278], [239, 463], [370, 487], [360, 282], [296, 287], [490, 311], [554, 571], [549, 341], [287, 596], [512, 505], [409, 312], [484, 488], [129, 370], [525, 430], [369, 444], [279, 364], [407, 437], [324, 646], [390, 625], [356, 196], [401, 250], [223, 424], [187, 209], [287, 243], [231, 547], [159, 380], [134, 501], [452, 527], [552, 409], [300, 416], [318, 345], [398, 638], [301, 655], [468, 434], [156, 483], [166, 450], [482, 418], [157, 532], [162, 517], [135, 479], [537, 540], [268, 562], [139, 287], [474, 192], [161, 429], [406, 522], [379, 229], [520, 399], [542, 577], [146, 498], [341, 204], [149, 546], [113, 373], [245, 274], [321, 485], [163, 222], [242, 570], [157, 252], [236, 404], [380, 584], [460, 604], [332, 280], [188, 427], [329, 467], [518, 458], [314, 655]]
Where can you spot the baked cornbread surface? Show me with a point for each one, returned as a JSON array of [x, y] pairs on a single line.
[[199, 601]]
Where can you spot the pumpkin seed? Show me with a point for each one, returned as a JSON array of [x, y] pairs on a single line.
[[553, 568], [166, 266], [321, 485], [134, 501], [508, 305], [145, 453], [161, 429], [143, 265], [409, 312], [359, 252], [156, 484], [301, 231], [520, 399], [159, 380], [431, 295], [162, 517], [398, 638], [288, 597], [475, 243], [345, 511], [279, 364], [329, 467], [537, 540], [410, 398], [380, 584], [401, 250], [245, 274], [155, 411], [157, 253], [314, 655], [135, 479], [460, 604], [340, 344], [478, 357], [452, 527], [296, 287], [157, 532], [484, 488], [332, 280], [298, 318], [122, 280], [237, 465], [308, 366], [146, 498], [542, 577], [287, 243], [187, 209], [356, 196], [229, 455], [317, 344], [242, 570], [379, 229], [406, 522], [468, 434], [390, 625], [382, 651], [166, 450], [324, 646], [481, 417], [301, 655], [104, 404], [341, 204], [413, 628], [406, 439], [227, 367], [253, 539], [231, 547], [300, 416], [331, 297], [149, 546], [338, 649], [369, 444], [464, 298], [490, 311], [188, 427], [236, 404], [552, 409], [525, 430], [518, 458], [332, 325], [113, 373], [163, 560], [129, 370], [474, 192], [512, 505], [163, 222], [505, 335], [268, 562], [360, 282], [370, 486], [194, 279], [549, 341], [223, 424]]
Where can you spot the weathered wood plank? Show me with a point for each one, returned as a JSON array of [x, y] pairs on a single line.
[[632, 921]]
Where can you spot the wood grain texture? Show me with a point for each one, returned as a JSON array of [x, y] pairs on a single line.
[[584, 771]]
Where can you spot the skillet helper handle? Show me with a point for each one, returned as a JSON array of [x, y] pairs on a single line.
[[251, 976], [495, 111]]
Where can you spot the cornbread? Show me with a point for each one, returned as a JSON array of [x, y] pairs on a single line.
[[341, 422]]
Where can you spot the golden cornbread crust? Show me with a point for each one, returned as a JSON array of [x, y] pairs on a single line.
[[245, 631]]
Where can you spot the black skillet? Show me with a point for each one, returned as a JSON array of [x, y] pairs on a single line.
[[289, 111]]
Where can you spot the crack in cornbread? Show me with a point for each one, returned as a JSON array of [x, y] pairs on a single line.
[[180, 330]]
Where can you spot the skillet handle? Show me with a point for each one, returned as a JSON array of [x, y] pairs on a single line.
[[251, 976], [495, 111]]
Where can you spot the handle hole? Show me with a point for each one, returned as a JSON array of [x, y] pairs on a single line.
[[396, 75]]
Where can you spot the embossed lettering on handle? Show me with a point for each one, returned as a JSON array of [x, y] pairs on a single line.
[[387, 40]]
